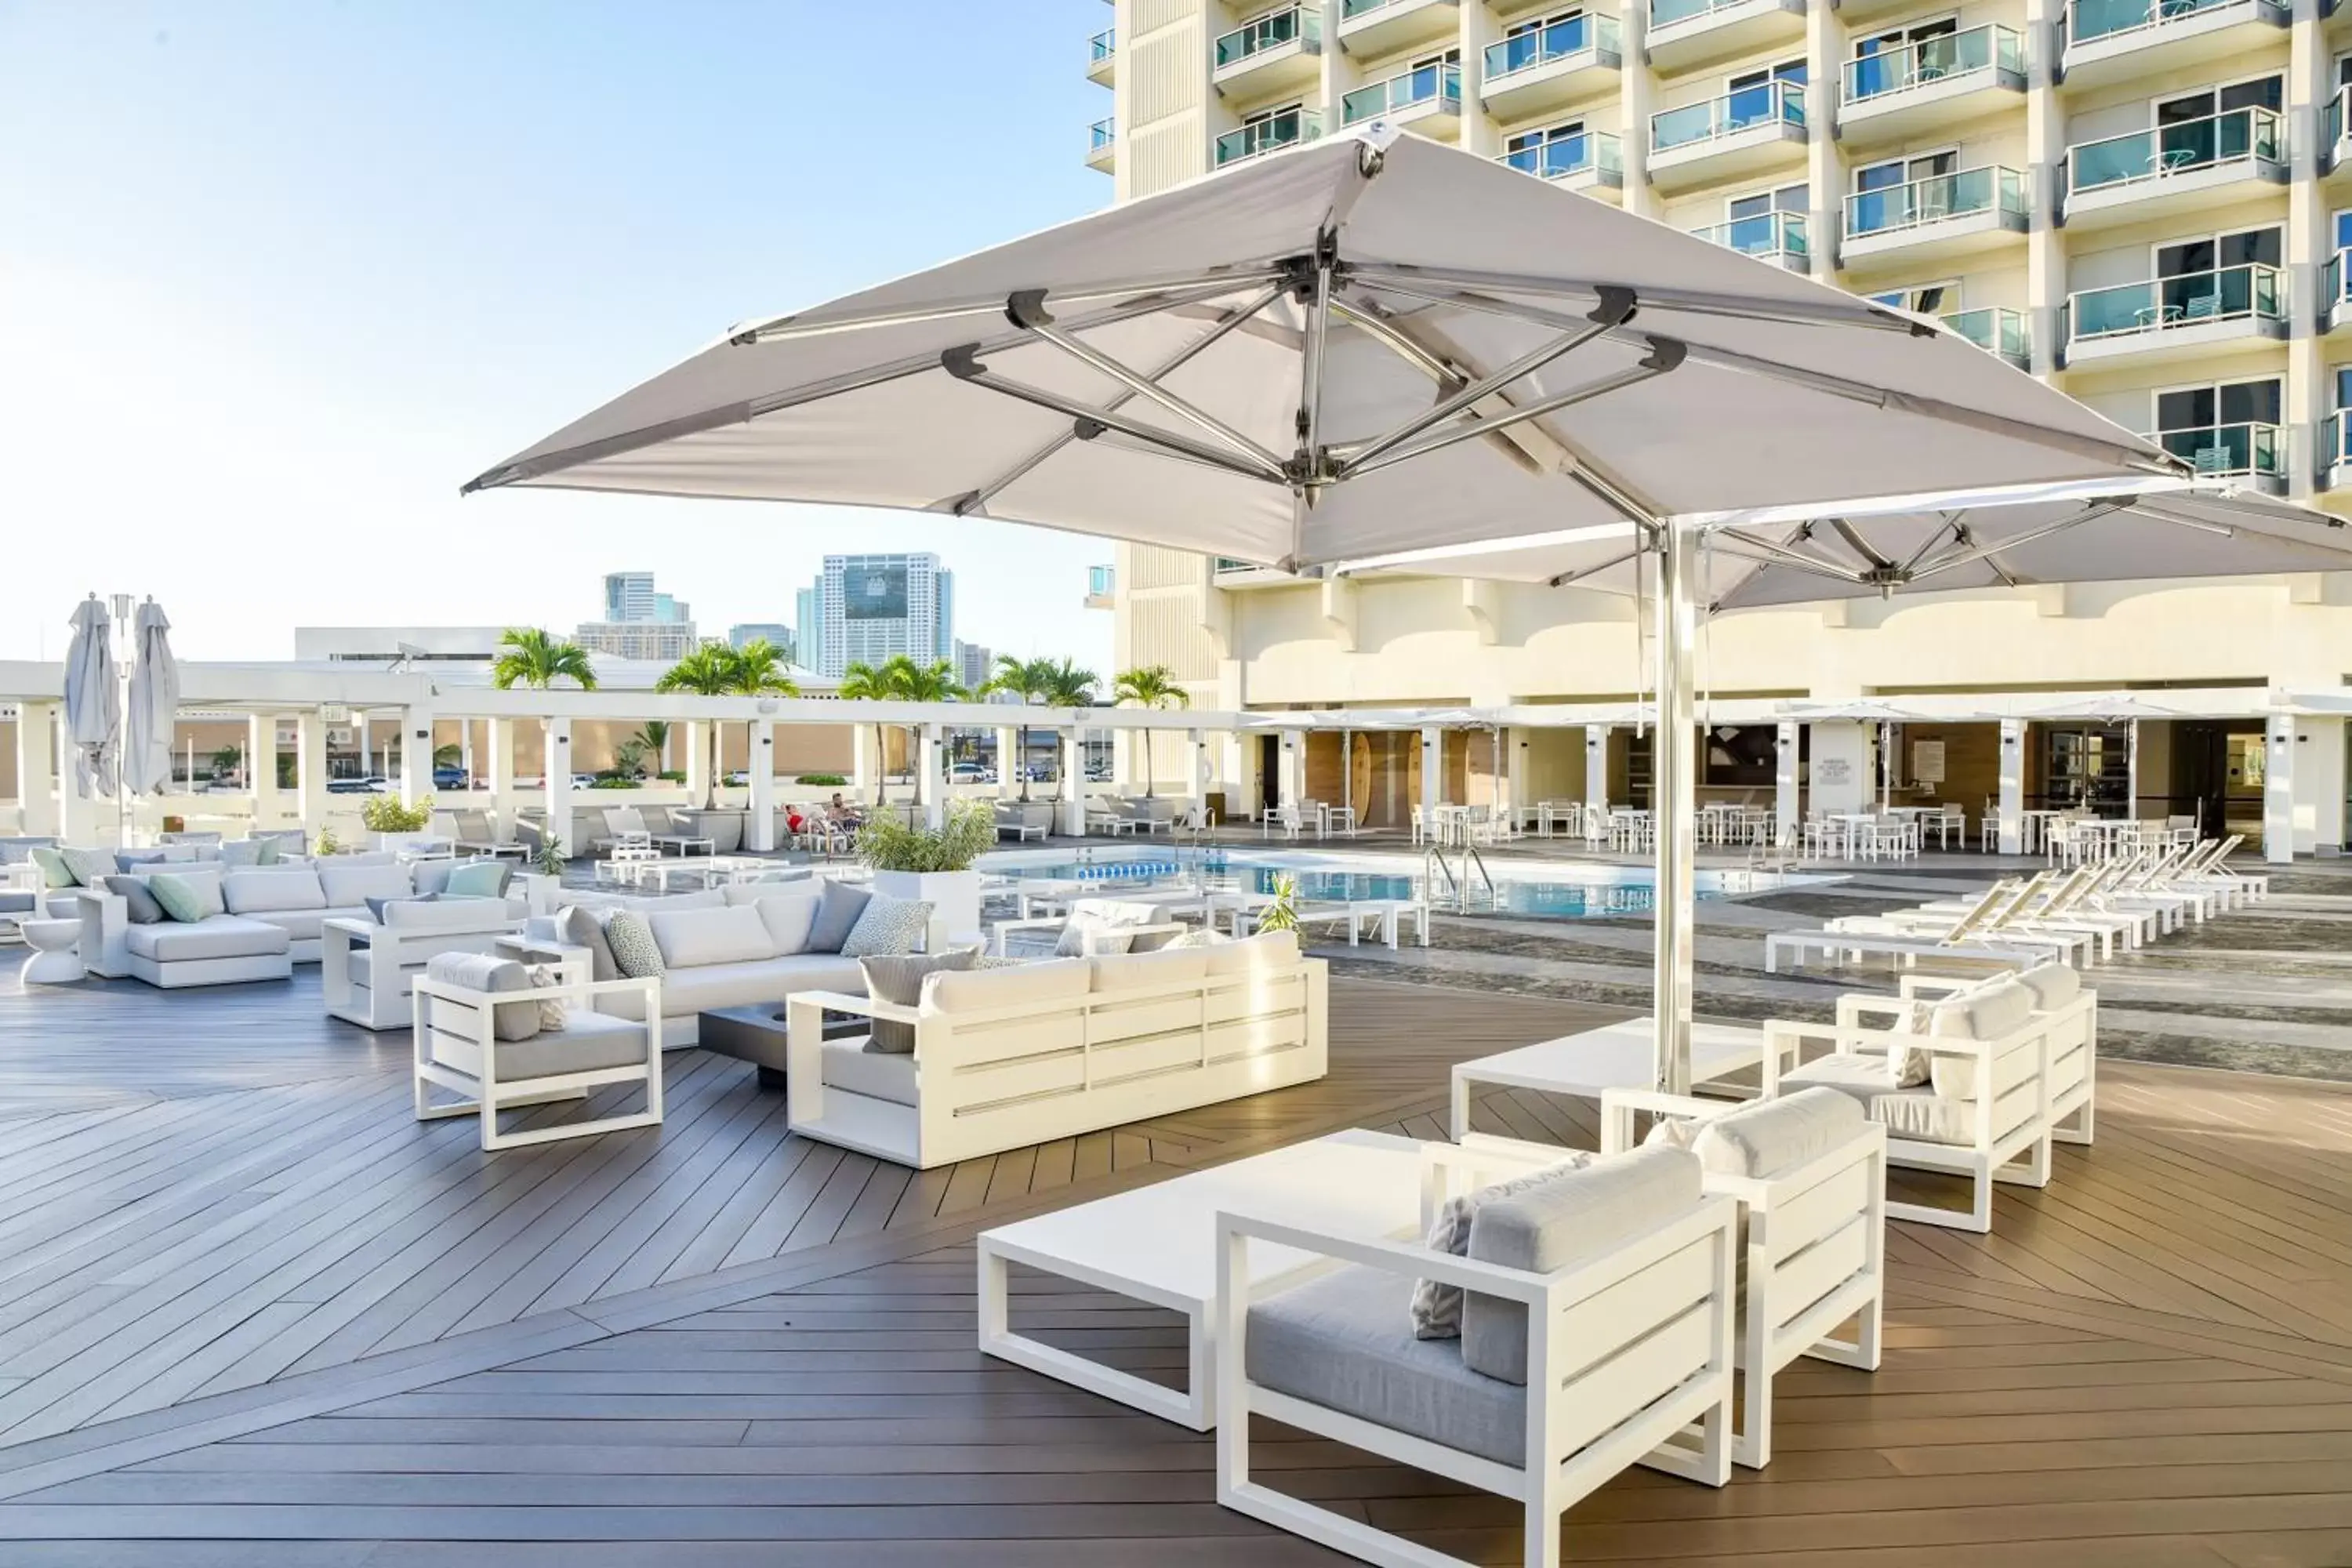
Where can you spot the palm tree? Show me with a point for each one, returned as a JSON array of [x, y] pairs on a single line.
[[1149, 686], [1027, 679], [653, 740], [911, 682], [530, 656], [714, 670]]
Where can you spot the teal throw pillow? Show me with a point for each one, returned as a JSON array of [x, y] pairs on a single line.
[[186, 899], [53, 867], [478, 880]]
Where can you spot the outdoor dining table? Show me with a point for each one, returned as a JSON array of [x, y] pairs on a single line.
[[1330, 819], [1566, 815]]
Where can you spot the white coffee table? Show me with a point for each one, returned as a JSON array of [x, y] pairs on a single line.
[[1158, 1245], [1617, 1055]]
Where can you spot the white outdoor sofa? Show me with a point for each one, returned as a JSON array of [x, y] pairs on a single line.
[[479, 1036], [366, 969], [1013, 1056], [2009, 1056], [1617, 1302], [1103, 926], [1810, 1175]]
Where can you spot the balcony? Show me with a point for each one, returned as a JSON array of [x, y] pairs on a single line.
[[1272, 135], [2336, 133], [2112, 40], [1237, 576], [1997, 331], [1551, 68], [2334, 458], [2252, 452], [2192, 316], [1687, 34], [1933, 84], [1944, 216], [1102, 587], [1744, 132], [1589, 158], [1102, 56], [1276, 53], [1375, 27], [1776, 237], [1102, 145], [2173, 169], [2335, 301], [1425, 93]]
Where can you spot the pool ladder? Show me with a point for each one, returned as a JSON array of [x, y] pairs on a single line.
[[1435, 872]]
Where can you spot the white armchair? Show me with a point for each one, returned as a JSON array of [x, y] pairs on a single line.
[[365, 969], [1625, 1345], [479, 1036]]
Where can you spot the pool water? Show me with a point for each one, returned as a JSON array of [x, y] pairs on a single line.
[[1554, 892]]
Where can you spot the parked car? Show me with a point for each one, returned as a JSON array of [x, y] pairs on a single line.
[[451, 778], [971, 772], [374, 783], [584, 780], [737, 779]]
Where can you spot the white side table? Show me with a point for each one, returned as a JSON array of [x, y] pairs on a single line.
[[53, 960]]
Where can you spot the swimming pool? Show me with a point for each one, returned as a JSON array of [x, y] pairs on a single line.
[[1538, 890]]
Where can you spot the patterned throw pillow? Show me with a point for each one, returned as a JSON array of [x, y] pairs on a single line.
[[1674, 1133], [899, 977], [887, 925], [88, 867], [1437, 1307], [635, 951], [1908, 1067], [550, 1008]]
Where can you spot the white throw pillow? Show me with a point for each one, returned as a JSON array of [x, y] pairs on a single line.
[[697, 939], [789, 916]]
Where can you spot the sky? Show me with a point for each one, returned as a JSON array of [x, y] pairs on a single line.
[[275, 278]]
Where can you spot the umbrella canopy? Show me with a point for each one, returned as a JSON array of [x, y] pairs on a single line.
[[93, 701], [1338, 352], [1325, 354], [154, 703], [1996, 537]]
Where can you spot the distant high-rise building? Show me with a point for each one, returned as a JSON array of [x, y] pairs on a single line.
[[639, 621], [629, 596], [873, 607], [808, 618], [746, 633], [943, 637], [974, 664]]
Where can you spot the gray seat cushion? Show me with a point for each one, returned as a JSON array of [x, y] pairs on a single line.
[[1344, 1341], [586, 1042], [13, 902], [883, 1075], [219, 936]]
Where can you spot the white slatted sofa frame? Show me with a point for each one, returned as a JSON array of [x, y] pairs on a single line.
[[365, 969], [1097, 942], [487, 1096], [1816, 1255], [1633, 1347], [2073, 1027], [1989, 1156], [984, 1084]]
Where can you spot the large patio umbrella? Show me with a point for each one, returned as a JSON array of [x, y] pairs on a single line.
[[93, 701], [1369, 343], [154, 703]]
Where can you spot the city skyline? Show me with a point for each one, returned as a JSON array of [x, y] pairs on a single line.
[[283, 419]]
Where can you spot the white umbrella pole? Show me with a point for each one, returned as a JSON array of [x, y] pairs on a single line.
[[2131, 774], [1676, 798]]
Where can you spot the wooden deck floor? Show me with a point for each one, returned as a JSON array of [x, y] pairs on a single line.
[[251, 1314]]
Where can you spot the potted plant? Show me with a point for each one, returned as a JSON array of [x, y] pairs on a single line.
[[933, 865], [1283, 913], [396, 825]]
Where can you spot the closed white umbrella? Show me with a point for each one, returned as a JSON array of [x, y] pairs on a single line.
[[93, 701], [154, 703], [1371, 344]]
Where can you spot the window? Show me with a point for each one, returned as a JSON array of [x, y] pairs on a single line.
[[1903, 171], [2261, 247], [1786, 199], [2220, 403], [1752, 100], [1538, 23], [1900, 56], [1523, 43], [1530, 140], [2259, 93], [1922, 298], [2343, 230], [2343, 379]]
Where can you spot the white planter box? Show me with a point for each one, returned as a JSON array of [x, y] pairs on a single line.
[[399, 841], [954, 898]]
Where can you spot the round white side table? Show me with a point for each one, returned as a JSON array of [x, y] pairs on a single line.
[[53, 960]]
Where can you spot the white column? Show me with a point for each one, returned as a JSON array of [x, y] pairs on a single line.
[[2310, 241], [1073, 782], [466, 752], [2012, 787], [1008, 763], [1825, 170], [933, 785], [1787, 750], [1637, 92], [261, 767], [558, 749], [1433, 769], [310, 769], [1596, 767], [415, 755], [36, 762], [502, 773], [698, 761], [2046, 147], [1196, 771], [2278, 790], [759, 831], [2319, 786], [864, 767]]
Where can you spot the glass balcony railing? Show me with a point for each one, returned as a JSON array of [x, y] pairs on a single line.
[[1440, 86], [2230, 293], [2241, 135], [2333, 278], [1270, 31], [1102, 134], [2337, 120], [1228, 563], [1939, 196], [1771, 236], [2225, 449], [1541, 46], [1101, 582], [1666, 13], [2089, 20], [1581, 153], [1102, 46], [1994, 330], [1351, 10], [1287, 129], [1770, 103], [1986, 49]]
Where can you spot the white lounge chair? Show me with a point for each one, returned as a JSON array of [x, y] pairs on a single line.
[[1961, 940]]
